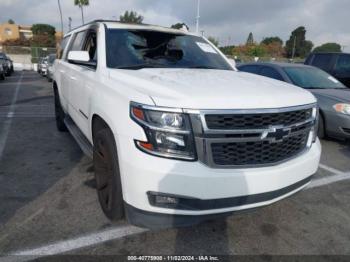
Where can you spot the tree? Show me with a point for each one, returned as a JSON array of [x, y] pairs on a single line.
[[274, 49], [272, 39], [297, 44], [10, 21], [250, 40], [227, 50], [256, 50], [131, 18], [43, 35], [180, 26], [328, 47], [81, 4], [214, 41], [43, 29]]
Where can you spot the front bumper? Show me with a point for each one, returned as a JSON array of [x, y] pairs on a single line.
[[338, 125], [242, 188]]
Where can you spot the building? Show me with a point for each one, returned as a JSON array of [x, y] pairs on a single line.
[[18, 32]]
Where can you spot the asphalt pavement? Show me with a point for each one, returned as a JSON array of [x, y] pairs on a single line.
[[48, 201]]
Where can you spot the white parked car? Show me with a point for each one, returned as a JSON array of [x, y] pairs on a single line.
[[176, 133]]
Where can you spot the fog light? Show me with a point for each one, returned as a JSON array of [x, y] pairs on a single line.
[[161, 200]]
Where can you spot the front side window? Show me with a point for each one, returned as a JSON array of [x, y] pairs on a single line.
[[343, 64], [136, 49], [78, 41], [322, 61], [312, 78]]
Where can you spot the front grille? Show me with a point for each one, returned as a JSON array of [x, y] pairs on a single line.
[[257, 152], [256, 121]]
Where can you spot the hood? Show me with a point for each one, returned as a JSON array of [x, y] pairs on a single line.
[[342, 95], [212, 89]]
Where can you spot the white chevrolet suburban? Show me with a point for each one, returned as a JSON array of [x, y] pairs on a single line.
[[176, 133]]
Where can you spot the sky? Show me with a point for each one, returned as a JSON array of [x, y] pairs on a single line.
[[230, 21]]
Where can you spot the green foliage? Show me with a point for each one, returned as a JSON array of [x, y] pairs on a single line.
[[10, 21], [179, 26], [250, 40], [272, 39], [328, 47], [81, 2], [227, 50], [256, 50], [302, 46], [131, 18], [214, 41], [43, 29]]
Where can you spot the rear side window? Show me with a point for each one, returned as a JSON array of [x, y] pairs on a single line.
[[250, 69], [322, 61], [343, 64], [271, 73]]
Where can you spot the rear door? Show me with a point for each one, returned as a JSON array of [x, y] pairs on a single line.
[[342, 69]]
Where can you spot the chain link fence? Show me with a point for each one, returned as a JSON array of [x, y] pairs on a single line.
[[26, 57]]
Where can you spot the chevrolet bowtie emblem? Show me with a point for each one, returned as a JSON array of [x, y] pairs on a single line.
[[276, 134]]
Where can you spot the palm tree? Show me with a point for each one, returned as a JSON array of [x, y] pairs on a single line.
[[81, 4]]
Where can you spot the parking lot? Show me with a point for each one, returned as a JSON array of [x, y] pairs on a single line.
[[48, 204]]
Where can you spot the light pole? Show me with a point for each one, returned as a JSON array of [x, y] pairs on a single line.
[[294, 47], [70, 23], [59, 7], [198, 16]]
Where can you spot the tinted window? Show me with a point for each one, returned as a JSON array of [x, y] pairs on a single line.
[[343, 64], [250, 69], [270, 72], [309, 77], [78, 41], [135, 49], [322, 61]]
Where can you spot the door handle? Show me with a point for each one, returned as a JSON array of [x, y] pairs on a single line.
[[73, 78]]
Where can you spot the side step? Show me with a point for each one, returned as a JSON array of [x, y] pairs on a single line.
[[82, 141]]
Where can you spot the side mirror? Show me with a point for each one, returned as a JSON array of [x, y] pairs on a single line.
[[78, 57]]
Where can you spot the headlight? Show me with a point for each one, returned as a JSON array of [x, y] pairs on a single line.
[[168, 132], [342, 108]]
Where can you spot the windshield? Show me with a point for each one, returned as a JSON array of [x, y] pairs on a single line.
[[312, 78], [136, 49]]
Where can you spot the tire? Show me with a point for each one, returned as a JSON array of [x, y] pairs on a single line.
[[2, 76], [321, 128], [59, 114], [107, 175]]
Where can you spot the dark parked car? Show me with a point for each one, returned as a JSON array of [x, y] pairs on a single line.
[[2, 68], [333, 97], [50, 61], [8, 65], [335, 64]]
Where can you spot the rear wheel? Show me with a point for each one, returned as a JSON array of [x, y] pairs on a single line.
[[107, 175], [59, 113]]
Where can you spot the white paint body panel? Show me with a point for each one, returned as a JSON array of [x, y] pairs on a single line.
[[108, 92]]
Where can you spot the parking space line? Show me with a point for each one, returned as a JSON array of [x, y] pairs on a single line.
[[331, 169], [80, 242], [7, 123]]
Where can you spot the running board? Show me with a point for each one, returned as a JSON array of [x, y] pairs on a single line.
[[82, 141]]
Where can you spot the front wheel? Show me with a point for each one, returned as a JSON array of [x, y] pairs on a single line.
[[321, 128], [107, 175], [59, 114]]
